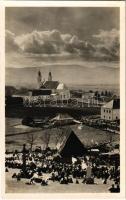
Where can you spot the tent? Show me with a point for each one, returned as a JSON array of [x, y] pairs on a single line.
[[62, 119], [71, 145]]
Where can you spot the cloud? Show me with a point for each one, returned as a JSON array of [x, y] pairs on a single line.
[[55, 43], [107, 37], [11, 45], [108, 44], [41, 42], [50, 42]]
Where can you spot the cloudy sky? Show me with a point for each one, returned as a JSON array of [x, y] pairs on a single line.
[[41, 36]]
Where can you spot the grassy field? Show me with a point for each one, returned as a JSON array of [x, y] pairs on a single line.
[[21, 134]]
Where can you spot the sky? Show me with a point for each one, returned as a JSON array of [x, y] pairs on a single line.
[[83, 22], [44, 36]]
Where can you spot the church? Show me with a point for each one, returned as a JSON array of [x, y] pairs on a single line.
[[50, 88]]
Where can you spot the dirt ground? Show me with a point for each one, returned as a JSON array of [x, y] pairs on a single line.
[[12, 186]]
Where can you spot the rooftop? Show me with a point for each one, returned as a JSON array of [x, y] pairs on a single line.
[[41, 92], [113, 104], [51, 84]]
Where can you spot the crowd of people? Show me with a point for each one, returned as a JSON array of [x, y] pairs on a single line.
[[97, 122], [48, 166]]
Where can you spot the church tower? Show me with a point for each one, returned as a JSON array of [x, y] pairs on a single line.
[[50, 77], [39, 79]]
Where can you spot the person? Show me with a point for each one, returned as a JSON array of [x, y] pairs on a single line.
[[77, 182], [112, 189], [32, 182], [117, 189], [106, 176], [44, 183], [70, 179], [6, 170], [18, 177]]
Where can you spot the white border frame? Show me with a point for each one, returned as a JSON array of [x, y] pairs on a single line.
[[121, 4]]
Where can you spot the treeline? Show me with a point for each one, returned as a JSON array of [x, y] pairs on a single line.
[[11, 90], [98, 94]]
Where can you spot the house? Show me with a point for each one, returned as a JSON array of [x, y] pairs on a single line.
[[111, 110], [89, 97], [44, 93]]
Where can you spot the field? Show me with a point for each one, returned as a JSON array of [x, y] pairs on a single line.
[[17, 135]]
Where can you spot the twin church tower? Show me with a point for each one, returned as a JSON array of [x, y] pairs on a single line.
[[40, 81]]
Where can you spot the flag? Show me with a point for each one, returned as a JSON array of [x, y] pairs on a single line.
[[84, 165], [74, 160]]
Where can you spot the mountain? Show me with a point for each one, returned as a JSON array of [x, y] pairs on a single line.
[[70, 74]]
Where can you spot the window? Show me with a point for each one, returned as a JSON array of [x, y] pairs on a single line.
[[109, 117], [109, 111], [104, 116], [104, 110]]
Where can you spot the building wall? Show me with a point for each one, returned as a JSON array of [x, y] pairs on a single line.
[[64, 95], [88, 95], [110, 114], [106, 113], [116, 114]]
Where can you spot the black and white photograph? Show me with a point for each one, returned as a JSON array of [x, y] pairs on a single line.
[[62, 99]]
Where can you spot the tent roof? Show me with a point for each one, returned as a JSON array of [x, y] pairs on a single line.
[[71, 144], [62, 116]]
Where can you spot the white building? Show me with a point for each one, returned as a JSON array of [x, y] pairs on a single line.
[[111, 110]]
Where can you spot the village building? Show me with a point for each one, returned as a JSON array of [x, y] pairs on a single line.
[[89, 97], [111, 110], [45, 93]]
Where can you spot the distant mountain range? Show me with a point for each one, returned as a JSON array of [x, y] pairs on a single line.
[[73, 75]]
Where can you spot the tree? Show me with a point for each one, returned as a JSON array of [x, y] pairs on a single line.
[[111, 140], [28, 121], [97, 94], [46, 138], [109, 94], [59, 135], [102, 93], [31, 140], [106, 93]]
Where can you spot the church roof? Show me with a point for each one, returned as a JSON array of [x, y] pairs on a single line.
[[61, 86], [51, 84]]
